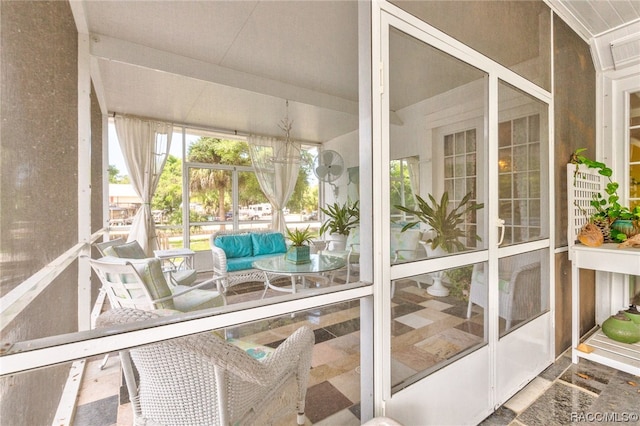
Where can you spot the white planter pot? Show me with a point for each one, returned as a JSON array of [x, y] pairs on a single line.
[[437, 288], [338, 242]]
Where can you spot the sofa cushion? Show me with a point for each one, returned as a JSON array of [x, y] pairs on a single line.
[[242, 263], [234, 246], [268, 243]]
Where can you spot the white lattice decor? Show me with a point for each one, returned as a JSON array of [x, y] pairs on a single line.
[[582, 185]]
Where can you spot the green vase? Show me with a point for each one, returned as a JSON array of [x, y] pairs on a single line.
[[626, 226], [299, 254], [621, 329], [633, 314]]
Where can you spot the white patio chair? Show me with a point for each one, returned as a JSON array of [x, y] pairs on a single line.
[[132, 250], [203, 380], [141, 284]]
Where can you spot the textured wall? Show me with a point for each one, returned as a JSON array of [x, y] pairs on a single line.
[[575, 116], [38, 190]]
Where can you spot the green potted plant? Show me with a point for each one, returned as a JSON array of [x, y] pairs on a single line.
[[341, 218], [299, 251], [443, 220], [616, 222]]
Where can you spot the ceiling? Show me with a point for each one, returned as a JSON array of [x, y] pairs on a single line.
[[232, 64]]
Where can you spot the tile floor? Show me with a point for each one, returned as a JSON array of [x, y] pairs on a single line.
[[561, 394]]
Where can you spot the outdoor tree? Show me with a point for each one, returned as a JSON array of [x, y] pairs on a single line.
[[297, 200], [168, 195], [211, 186], [115, 176]]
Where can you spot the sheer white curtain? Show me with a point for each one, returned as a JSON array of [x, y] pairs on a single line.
[[413, 164], [277, 178], [145, 146]]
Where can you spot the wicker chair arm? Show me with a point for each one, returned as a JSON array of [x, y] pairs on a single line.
[[219, 261], [238, 362]]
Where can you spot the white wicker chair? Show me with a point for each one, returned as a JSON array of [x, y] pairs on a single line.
[[519, 291], [203, 380]]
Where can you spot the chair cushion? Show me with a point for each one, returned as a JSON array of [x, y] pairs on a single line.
[[405, 243], [353, 239], [185, 276], [196, 299], [255, 351], [239, 245], [105, 245], [130, 250], [268, 243], [151, 272]]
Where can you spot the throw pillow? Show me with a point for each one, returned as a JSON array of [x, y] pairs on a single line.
[[269, 243], [151, 272], [130, 250], [235, 245]]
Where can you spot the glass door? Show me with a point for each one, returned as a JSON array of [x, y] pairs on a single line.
[[468, 231]]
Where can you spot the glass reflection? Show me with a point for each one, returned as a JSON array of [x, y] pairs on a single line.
[[428, 91], [428, 332], [522, 170], [522, 294], [634, 149]]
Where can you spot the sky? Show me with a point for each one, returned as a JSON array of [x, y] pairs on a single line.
[[115, 154]]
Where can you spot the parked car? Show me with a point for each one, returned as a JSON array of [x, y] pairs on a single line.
[[249, 214], [310, 216]]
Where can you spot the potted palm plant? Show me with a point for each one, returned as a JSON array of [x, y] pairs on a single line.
[[443, 220], [341, 218], [445, 234], [299, 251]]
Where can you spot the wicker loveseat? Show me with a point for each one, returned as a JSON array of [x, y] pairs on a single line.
[[235, 251]]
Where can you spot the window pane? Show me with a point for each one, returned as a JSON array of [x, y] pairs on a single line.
[[523, 294], [522, 170], [428, 332], [634, 149]]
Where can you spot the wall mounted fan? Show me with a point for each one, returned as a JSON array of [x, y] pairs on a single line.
[[328, 166]]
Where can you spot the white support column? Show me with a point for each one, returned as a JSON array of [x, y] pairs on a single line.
[[84, 181]]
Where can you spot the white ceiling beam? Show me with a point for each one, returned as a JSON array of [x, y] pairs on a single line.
[[574, 22], [113, 49]]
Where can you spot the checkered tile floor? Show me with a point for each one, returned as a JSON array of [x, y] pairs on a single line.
[[425, 331]]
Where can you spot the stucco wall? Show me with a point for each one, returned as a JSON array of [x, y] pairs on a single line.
[[38, 198], [575, 116]]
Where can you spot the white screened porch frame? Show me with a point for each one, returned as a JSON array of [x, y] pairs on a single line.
[[402, 403]]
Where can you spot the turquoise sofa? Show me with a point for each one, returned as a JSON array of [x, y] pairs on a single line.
[[235, 251]]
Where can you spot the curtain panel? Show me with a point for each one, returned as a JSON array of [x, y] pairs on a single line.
[[145, 146], [276, 163]]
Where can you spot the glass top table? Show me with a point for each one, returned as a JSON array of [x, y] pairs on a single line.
[[278, 265]]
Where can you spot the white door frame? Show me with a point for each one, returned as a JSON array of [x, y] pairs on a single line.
[[425, 401]]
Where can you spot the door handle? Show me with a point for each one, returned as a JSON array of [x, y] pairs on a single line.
[[501, 226]]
